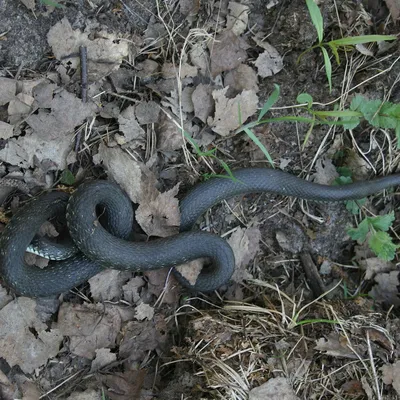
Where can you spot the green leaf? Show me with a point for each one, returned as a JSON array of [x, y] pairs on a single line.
[[344, 171], [359, 233], [354, 205], [369, 109], [382, 245], [342, 113], [350, 41], [308, 134], [305, 98], [382, 222], [334, 51], [343, 180], [67, 177], [255, 139], [328, 67], [270, 102], [316, 18], [52, 3]]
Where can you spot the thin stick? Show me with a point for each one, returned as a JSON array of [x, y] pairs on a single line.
[[84, 87]]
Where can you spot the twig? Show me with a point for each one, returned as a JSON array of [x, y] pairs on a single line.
[[84, 87]]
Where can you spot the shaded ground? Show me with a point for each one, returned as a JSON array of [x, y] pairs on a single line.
[[153, 68]]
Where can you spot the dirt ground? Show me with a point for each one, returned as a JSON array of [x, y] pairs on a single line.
[[311, 311]]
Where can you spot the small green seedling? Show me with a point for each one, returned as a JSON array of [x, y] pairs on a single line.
[[52, 3], [335, 45], [374, 229]]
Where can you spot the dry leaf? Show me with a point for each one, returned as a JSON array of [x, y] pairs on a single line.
[[88, 394], [105, 51], [203, 102], [7, 389], [169, 137], [24, 339], [144, 311], [90, 327], [200, 58], [273, 389], [160, 216], [131, 289], [241, 78], [147, 112], [245, 244], [375, 265], [226, 52], [8, 89], [131, 128], [391, 375], [124, 386], [4, 297], [269, 62], [6, 130], [189, 7], [19, 108], [237, 18], [336, 346], [226, 117], [386, 289], [107, 285], [187, 103], [138, 339], [326, 172], [394, 8], [171, 71], [103, 358], [161, 281]]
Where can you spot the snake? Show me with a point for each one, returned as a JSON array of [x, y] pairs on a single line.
[[106, 243]]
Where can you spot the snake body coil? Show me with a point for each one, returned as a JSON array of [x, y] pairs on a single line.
[[101, 248]]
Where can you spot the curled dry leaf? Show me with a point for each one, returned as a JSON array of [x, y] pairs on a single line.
[[269, 62], [203, 102], [144, 311], [226, 117], [131, 129], [227, 52], [274, 389], [245, 244], [326, 172], [90, 327], [24, 339], [238, 17], [241, 78], [103, 358], [337, 346], [160, 216], [107, 285], [8, 90], [106, 50]]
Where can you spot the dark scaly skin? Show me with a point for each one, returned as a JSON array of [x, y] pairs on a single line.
[[112, 250]]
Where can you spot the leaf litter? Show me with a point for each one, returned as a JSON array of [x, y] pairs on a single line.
[[136, 142]]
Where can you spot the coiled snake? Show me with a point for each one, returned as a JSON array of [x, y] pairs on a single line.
[[100, 248]]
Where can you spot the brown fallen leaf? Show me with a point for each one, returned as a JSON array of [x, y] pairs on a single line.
[[203, 102], [105, 50], [103, 358], [269, 62], [385, 291], [144, 311], [375, 265], [325, 173], [88, 394], [107, 285], [241, 78], [131, 129], [170, 70], [391, 375], [274, 389], [24, 339], [90, 327], [131, 289], [6, 130], [245, 244], [138, 338], [199, 57], [226, 117], [124, 386], [160, 216], [162, 282], [353, 388], [394, 9], [189, 7], [336, 346], [147, 112], [8, 90], [7, 389], [237, 18], [226, 52], [169, 137]]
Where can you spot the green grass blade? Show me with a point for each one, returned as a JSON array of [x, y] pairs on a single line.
[[308, 134], [328, 67], [343, 113], [255, 139], [335, 52], [270, 102], [350, 41], [316, 18]]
